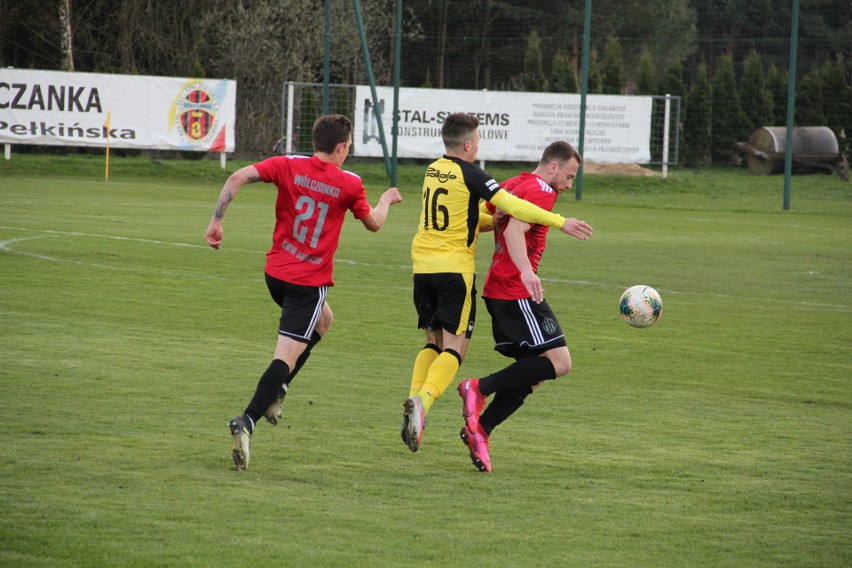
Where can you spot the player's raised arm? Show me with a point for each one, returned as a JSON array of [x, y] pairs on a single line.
[[530, 213], [233, 184], [378, 214], [576, 228], [526, 211]]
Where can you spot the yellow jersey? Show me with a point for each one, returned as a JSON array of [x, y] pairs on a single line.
[[449, 215]]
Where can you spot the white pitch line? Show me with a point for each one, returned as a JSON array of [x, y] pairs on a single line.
[[48, 232], [5, 246], [765, 224], [669, 292]]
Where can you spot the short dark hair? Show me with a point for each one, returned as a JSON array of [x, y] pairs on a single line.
[[560, 151], [329, 131], [457, 127]]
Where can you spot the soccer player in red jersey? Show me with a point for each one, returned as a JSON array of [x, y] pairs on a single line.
[[314, 195], [523, 324]]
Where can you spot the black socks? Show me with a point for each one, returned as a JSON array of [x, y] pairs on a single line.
[[522, 373], [267, 389]]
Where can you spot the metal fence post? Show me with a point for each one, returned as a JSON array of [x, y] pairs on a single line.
[[666, 126], [791, 104], [288, 138]]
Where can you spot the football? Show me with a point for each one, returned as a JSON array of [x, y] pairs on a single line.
[[640, 306]]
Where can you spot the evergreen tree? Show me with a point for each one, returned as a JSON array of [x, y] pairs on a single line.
[[612, 68], [776, 89], [646, 80], [756, 103], [564, 80], [809, 100], [672, 83], [595, 78], [534, 79], [837, 98], [726, 126], [698, 114], [646, 84]]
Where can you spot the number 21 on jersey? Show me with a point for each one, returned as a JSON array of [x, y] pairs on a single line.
[[302, 225]]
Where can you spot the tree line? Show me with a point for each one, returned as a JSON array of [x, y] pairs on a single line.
[[727, 59]]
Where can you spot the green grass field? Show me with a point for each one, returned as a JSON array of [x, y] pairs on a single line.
[[719, 437]]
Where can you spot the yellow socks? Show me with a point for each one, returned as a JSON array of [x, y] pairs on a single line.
[[441, 374], [422, 363]]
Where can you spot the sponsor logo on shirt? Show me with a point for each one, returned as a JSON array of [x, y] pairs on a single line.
[[291, 248], [436, 173], [318, 186]]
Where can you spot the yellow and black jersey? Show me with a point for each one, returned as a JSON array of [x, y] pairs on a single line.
[[449, 215]]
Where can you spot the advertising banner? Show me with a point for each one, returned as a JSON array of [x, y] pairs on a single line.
[[514, 126], [133, 111]]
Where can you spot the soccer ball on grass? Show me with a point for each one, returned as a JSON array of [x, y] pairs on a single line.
[[640, 306]]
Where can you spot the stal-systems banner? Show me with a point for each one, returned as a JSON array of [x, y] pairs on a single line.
[[82, 109], [514, 126]]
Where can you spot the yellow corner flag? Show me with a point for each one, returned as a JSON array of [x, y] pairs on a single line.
[[106, 131]]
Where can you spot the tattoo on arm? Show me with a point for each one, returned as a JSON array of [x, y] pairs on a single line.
[[224, 201], [227, 196]]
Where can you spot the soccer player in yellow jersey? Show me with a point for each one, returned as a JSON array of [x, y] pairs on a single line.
[[443, 253]]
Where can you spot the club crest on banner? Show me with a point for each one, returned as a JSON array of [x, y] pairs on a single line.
[[196, 113]]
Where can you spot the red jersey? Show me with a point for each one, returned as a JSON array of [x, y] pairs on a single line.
[[313, 197], [504, 280]]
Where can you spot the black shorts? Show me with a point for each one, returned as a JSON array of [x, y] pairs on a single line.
[[523, 328], [301, 307], [446, 300]]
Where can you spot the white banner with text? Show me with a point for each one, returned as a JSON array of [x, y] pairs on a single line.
[[514, 126], [129, 111]]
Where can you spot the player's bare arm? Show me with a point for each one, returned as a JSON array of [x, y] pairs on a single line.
[[516, 246], [229, 191], [378, 214]]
